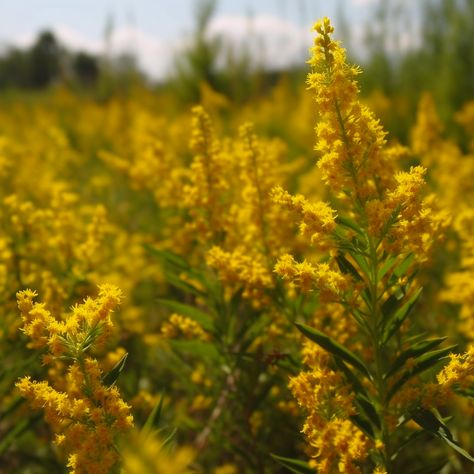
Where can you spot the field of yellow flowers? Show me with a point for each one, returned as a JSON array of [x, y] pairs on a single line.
[[270, 289]]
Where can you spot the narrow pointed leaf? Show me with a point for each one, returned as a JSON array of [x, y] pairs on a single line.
[[351, 377], [390, 305], [194, 347], [168, 257], [363, 424], [400, 315], [401, 269], [423, 363], [431, 423], [347, 268], [361, 262], [369, 410], [111, 377], [154, 417], [294, 465], [413, 352], [350, 223], [465, 392], [169, 438], [333, 347], [176, 281], [390, 262]]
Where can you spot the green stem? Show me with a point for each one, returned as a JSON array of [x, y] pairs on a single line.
[[379, 381]]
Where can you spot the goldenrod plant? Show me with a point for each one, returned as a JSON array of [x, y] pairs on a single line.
[[371, 364], [83, 406]]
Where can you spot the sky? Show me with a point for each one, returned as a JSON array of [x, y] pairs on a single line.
[[277, 31]]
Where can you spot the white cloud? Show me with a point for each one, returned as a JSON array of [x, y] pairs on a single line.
[[271, 41], [362, 3], [154, 56]]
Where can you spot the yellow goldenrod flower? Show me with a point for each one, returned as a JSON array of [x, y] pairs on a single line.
[[178, 325]]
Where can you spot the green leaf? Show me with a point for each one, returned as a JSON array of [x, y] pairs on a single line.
[[423, 363], [190, 311], [351, 377], [176, 281], [361, 262], [168, 257], [400, 315], [294, 465], [369, 410], [350, 223], [389, 263], [346, 267], [111, 377], [195, 348], [431, 423], [404, 266], [154, 417], [408, 441], [413, 352], [390, 305], [174, 266], [363, 424], [333, 347], [465, 392], [362, 400], [166, 442]]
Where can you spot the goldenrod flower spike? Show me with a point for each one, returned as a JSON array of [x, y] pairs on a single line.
[[85, 414], [349, 138], [203, 195]]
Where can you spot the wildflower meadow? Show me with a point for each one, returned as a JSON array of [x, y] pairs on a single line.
[[284, 285]]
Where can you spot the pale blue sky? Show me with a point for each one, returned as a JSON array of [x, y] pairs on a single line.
[[155, 30], [166, 18]]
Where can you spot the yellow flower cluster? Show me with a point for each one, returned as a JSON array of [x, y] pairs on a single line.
[[453, 171], [336, 444], [317, 218], [203, 196], [459, 371], [330, 283], [178, 325], [39, 242], [239, 268], [460, 284], [89, 323], [84, 411], [426, 133], [149, 455], [259, 226]]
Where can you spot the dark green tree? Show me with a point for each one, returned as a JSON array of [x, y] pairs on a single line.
[[45, 60], [85, 68]]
